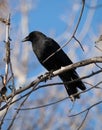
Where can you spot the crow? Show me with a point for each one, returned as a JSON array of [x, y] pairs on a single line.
[[44, 47]]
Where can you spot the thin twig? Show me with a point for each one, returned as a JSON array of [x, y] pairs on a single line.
[[60, 100], [7, 57], [83, 120], [78, 42], [21, 106], [98, 66], [32, 84], [98, 48], [95, 104], [81, 13], [45, 105], [7, 60]]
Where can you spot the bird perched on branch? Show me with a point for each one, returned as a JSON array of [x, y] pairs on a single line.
[[44, 47]]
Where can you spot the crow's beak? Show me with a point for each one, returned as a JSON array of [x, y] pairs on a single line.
[[25, 39]]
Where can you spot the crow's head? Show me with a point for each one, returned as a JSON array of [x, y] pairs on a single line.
[[33, 36], [30, 37]]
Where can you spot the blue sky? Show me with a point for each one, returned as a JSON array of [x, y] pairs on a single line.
[[47, 16]]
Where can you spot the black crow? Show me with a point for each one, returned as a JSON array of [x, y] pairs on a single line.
[[43, 47]]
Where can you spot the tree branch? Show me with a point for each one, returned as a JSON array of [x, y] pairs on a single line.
[[73, 35], [55, 73]]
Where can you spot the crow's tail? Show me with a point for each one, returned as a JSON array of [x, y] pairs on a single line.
[[72, 89]]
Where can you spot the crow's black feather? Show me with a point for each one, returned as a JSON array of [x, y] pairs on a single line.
[[43, 47]]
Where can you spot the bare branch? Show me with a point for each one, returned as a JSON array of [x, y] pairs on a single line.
[[87, 109], [60, 100], [81, 13], [78, 42], [78, 64], [83, 120], [57, 72], [98, 66], [8, 81], [21, 106], [98, 48], [45, 105]]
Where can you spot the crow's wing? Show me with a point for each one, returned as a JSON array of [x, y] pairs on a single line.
[[60, 59]]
